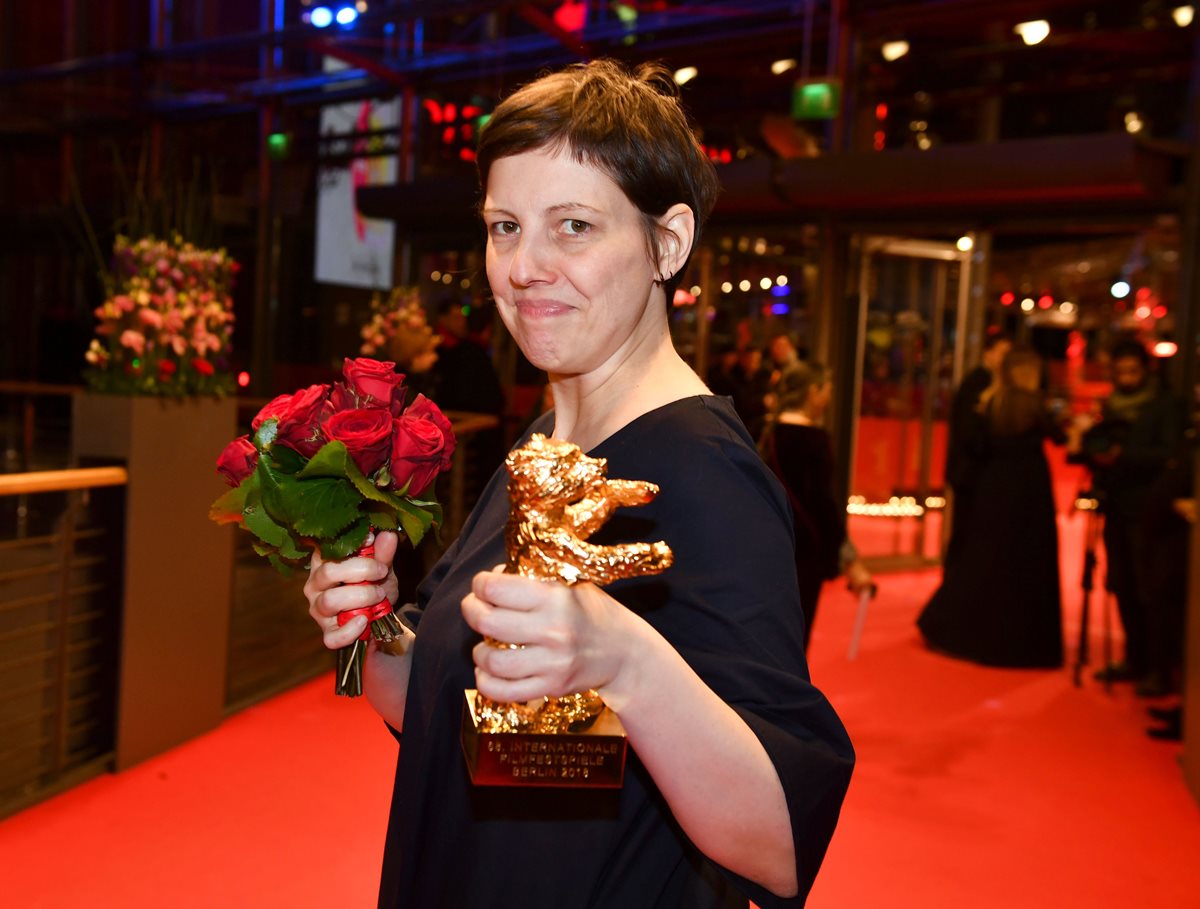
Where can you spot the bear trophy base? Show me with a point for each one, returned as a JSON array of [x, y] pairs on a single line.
[[591, 758]]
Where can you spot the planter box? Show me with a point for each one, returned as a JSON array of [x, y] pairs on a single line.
[[178, 569]]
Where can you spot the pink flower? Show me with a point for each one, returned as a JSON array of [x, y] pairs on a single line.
[[151, 317], [134, 340]]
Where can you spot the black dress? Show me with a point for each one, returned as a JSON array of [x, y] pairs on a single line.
[[1000, 601], [728, 605], [802, 458]]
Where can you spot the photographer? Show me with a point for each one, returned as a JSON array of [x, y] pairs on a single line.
[[1140, 429]]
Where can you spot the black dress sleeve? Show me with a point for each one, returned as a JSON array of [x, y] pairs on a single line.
[[730, 606]]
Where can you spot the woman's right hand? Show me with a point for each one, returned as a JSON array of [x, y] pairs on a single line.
[[355, 583]]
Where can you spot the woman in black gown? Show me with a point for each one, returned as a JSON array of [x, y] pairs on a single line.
[[800, 452], [595, 191], [999, 603]]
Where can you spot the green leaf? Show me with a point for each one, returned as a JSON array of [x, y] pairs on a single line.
[[415, 521], [331, 460], [262, 525], [348, 542], [287, 460], [334, 461], [281, 566], [227, 509], [382, 518], [323, 507]]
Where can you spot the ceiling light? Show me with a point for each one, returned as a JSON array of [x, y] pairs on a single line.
[[1120, 289], [1183, 15], [1027, 304], [1034, 32], [965, 244], [894, 50], [779, 67], [686, 75], [1066, 307], [1134, 122]]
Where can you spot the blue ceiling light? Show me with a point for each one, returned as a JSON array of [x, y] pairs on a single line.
[[321, 16]]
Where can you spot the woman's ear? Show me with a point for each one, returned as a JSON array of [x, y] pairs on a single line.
[[677, 230]]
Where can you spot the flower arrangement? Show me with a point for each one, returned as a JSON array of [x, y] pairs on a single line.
[[326, 467], [400, 331], [167, 320]]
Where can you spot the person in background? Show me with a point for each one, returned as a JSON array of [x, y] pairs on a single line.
[[1140, 429], [960, 474], [1000, 599], [783, 354], [752, 383], [722, 375], [800, 452], [595, 193], [464, 379], [1166, 526]]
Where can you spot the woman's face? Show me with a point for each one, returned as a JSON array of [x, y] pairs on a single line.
[[568, 263]]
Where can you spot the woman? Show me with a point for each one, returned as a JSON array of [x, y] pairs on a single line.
[[800, 453], [999, 602], [595, 190]]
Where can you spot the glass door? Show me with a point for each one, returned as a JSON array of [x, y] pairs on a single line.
[[913, 298]]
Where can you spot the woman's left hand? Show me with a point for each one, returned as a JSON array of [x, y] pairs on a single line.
[[571, 638]]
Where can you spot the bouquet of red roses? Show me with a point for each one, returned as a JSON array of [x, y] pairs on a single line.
[[328, 466]]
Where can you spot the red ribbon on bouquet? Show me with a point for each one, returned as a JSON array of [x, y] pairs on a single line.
[[378, 611]]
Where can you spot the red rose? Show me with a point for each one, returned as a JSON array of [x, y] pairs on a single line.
[[374, 382], [203, 366], [422, 446], [424, 409], [299, 418], [341, 398], [366, 433], [237, 461]]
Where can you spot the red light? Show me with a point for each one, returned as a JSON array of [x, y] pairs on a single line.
[[1045, 301], [1008, 298], [243, 379], [726, 156], [470, 112], [880, 139], [881, 111], [450, 111], [467, 154], [434, 110], [448, 135], [1143, 294], [1159, 312]]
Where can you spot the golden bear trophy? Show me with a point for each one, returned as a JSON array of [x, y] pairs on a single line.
[[558, 497]]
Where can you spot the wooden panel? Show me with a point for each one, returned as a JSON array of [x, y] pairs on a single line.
[[178, 564]]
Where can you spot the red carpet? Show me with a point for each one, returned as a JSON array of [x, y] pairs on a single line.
[[975, 787]]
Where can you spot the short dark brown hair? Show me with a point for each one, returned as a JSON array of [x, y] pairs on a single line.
[[630, 125]]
